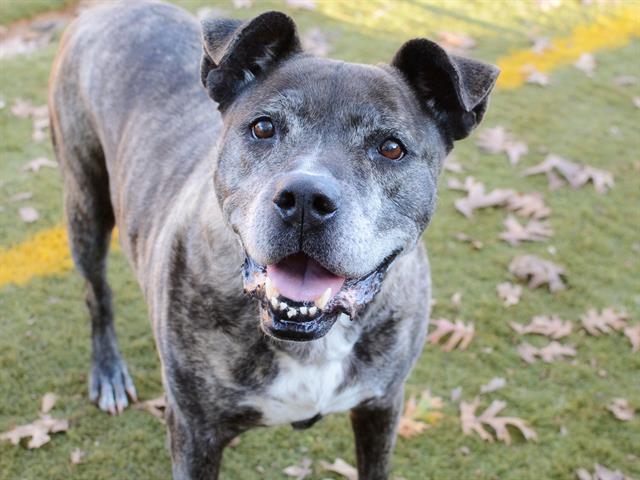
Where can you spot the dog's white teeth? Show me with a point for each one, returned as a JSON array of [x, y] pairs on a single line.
[[274, 302], [303, 310], [323, 299], [292, 312], [283, 306], [313, 311]]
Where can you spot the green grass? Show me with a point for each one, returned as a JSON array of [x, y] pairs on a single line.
[[44, 340], [11, 10]]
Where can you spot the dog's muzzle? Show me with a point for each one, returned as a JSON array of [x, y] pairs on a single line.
[[300, 299]]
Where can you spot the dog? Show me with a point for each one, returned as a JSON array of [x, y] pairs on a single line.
[[271, 204]]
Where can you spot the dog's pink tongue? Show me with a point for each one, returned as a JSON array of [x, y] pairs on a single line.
[[301, 278]]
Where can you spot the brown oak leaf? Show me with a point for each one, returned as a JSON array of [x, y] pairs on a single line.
[[38, 430], [48, 401], [551, 326], [494, 384], [632, 332], [576, 174], [587, 63], [538, 271], [533, 231], [342, 468], [498, 140], [621, 409], [552, 352], [477, 198], [155, 406], [460, 333], [509, 293], [420, 414], [77, 456], [528, 205], [299, 471], [605, 322], [472, 423], [601, 473]]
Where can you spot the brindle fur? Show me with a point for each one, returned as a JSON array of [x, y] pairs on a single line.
[[141, 145]]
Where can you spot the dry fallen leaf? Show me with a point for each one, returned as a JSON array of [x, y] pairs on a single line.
[[37, 163], [530, 205], [636, 101], [472, 423], [494, 384], [38, 431], [540, 44], [48, 401], [457, 43], [498, 140], [315, 42], [461, 334], [538, 271], [576, 174], [600, 473], [632, 332], [341, 467], [551, 326], [28, 214], [533, 231], [621, 409], [77, 456], [552, 352], [477, 198], [456, 300], [420, 414], [509, 293], [463, 237], [587, 63], [535, 76], [605, 322], [300, 471], [155, 406]]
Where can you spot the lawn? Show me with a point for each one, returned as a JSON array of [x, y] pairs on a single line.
[[44, 329]]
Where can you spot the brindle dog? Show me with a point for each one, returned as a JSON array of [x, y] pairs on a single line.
[[276, 233]]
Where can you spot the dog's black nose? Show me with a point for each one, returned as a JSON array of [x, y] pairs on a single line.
[[302, 198]]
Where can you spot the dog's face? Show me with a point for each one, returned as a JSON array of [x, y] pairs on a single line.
[[328, 170]]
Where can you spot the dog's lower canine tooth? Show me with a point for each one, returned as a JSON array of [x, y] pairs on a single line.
[[269, 289], [283, 306], [274, 302], [292, 312], [313, 311], [322, 301], [303, 310]]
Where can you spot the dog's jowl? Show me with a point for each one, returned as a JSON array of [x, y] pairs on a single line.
[[271, 204]]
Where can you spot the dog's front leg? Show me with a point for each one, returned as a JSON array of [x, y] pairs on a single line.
[[196, 453], [374, 425]]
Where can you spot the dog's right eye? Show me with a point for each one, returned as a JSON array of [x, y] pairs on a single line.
[[263, 128]]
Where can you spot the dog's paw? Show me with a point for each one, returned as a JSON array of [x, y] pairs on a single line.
[[111, 387]]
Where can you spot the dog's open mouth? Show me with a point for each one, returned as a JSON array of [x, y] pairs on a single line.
[[301, 299]]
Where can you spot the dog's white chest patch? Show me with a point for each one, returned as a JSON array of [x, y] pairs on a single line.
[[304, 389]]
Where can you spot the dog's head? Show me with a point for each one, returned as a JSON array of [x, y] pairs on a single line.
[[328, 170]]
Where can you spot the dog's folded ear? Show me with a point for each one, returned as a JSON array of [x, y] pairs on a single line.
[[236, 52], [456, 88]]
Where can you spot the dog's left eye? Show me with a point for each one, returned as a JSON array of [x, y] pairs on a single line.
[[391, 149], [263, 128]]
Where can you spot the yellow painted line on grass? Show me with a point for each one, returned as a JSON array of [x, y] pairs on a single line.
[[46, 253], [606, 32]]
